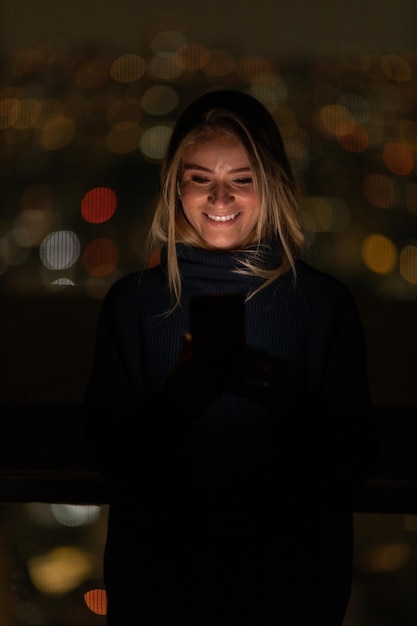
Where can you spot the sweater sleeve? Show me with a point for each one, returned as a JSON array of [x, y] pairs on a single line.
[[127, 430], [346, 391], [337, 415]]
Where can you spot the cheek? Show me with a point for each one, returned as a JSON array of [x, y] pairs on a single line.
[[254, 208], [188, 203], [189, 198]]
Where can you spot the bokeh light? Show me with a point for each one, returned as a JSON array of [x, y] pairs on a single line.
[[398, 158], [154, 141], [60, 250], [408, 263], [123, 138], [73, 515], [128, 68], [96, 600], [100, 257], [191, 56], [60, 570], [99, 205], [73, 120], [324, 214], [159, 100], [9, 112], [388, 557], [379, 253], [353, 137], [55, 132]]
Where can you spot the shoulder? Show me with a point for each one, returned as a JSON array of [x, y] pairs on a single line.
[[322, 287], [124, 287], [143, 292], [136, 283]]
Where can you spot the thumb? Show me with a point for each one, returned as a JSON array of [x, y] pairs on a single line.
[[186, 351]]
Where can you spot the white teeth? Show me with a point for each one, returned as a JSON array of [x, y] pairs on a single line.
[[223, 218]]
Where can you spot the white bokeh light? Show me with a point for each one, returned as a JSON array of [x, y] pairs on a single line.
[[60, 250]]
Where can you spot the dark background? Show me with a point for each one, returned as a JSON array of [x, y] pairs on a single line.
[[47, 335]]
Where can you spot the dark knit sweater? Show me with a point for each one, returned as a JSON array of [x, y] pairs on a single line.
[[271, 484], [312, 324]]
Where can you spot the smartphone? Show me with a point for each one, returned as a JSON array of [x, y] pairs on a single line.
[[217, 324]]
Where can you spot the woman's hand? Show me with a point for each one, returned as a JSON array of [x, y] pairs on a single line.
[[250, 373], [263, 377], [195, 386]]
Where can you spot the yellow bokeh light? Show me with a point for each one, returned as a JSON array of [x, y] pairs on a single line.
[[9, 112], [55, 132], [163, 66], [61, 570], [167, 40], [322, 214], [379, 254], [29, 112], [123, 137], [408, 264], [31, 226], [159, 100], [396, 67], [191, 56], [128, 68], [389, 557], [334, 117]]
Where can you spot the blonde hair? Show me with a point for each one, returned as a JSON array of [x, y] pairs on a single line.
[[247, 120]]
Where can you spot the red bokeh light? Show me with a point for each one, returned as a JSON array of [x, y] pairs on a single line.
[[98, 205]]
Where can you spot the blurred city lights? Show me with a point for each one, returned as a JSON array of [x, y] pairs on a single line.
[[60, 250], [379, 253], [60, 570], [96, 600], [73, 515], [100, 257], [98, 205], [66, 114]]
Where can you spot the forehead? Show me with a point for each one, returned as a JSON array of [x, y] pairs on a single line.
[[220, 145]]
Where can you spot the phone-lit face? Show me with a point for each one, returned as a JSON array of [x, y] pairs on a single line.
[[217, 192]]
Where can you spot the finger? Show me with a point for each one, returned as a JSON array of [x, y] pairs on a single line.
[[186, 351]]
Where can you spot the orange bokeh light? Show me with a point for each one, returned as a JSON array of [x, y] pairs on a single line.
[[398, 158], [354, 139], [100, 257], [96, 600]]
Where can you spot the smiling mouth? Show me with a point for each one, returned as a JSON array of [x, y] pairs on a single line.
[[222, 218]]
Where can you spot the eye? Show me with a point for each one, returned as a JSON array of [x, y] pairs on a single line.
[[201, 180], [247, 180]]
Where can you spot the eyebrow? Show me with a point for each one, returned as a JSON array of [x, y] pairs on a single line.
[[195, 166]]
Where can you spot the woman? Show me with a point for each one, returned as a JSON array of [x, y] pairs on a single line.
[[230, 469]]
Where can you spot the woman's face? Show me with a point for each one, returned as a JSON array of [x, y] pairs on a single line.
[[217, 192]]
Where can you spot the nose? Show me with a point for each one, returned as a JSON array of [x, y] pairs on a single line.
[[220, 194]]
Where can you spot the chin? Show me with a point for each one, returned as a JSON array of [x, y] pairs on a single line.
[[224, 245]]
